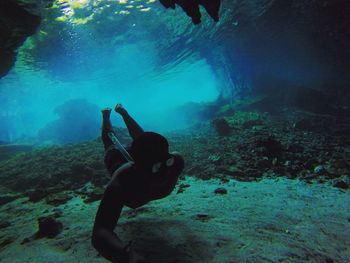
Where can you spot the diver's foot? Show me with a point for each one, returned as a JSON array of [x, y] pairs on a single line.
[[120, 109], [106, 113]]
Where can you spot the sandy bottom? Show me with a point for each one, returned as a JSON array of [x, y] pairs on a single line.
[[268, 221]]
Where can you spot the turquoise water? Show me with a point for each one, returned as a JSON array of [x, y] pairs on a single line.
[[257, 104], [155, 60], [67, 61], [33, 96]]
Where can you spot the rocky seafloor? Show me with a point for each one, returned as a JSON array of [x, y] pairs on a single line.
[[297, 150]]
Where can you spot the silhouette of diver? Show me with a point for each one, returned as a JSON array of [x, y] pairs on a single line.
[[151, 175], [191, 8]]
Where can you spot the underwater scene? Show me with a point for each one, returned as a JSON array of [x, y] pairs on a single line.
[[174, 131]]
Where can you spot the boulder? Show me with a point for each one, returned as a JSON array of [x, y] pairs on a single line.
[[49, 227], [58, 199], [341, 184], [4, 224], [220, 190], [17, 22], [94, 195], [4, 199], [222, 126], [269, 147], [35, 195]]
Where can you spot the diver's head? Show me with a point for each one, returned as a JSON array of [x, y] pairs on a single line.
[[149, 148]]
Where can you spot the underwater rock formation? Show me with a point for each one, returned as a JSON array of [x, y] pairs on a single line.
[[48, 227], [4, 199], [222, 126], [7, 150], [73, 124], [58, 199], [17, 21], [267, 147]]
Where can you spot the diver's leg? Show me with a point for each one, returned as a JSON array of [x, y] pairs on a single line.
[[106, 127], [134, 128]]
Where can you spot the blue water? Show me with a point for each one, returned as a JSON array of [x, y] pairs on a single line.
[[78, 62]]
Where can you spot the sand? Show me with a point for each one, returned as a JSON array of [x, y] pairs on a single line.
[[273, 220]]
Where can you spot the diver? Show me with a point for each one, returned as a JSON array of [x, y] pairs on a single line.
[[141, 173], [191, 8]]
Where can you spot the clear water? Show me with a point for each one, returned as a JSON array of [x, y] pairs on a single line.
[[66, 61], [278, 170]]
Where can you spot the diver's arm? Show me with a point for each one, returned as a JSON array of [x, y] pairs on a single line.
[[104, 239], [134, 128]]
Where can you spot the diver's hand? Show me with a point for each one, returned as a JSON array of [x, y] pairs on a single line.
[[120, 109], [106, 112]]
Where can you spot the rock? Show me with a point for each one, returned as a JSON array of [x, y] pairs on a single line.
[[81, 169], [17, 22], [222, 126], [309, 164], [310, 176], [184, 185], [57, 212], [180, 191], [58, 199], [202, 217], [253, 174], [263, 163], [214, 158], [305, 124], [9, 150], [4, 224], [342, 164], [233, 171], [270, 147], [27, 240], [341, 184], [226, 110], [288, 163], [35, 195], [251, 123], [95, 195], [98, 165], [295, 148], [220, 190], [6, 241], [195, 170], [49, 227], [182, 188], [320, 169], [7, 198]]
